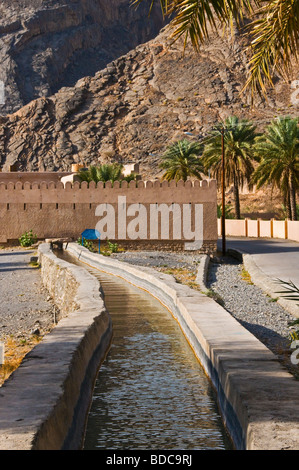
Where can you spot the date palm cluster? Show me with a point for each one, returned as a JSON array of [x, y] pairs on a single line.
[[261, 159]]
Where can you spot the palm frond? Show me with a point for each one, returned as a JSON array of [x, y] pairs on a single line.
[[164, 4], [196, 18], [274, 43], [107, 172], [239, 138], [291, 291], [181, 160]]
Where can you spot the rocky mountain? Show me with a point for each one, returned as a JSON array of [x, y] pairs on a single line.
[[47, 44], [136, 106]]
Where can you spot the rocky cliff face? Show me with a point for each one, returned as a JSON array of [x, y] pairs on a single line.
[[46, 44], [135, 107]]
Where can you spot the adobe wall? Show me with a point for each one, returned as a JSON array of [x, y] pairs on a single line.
[[54, 210], [32, 177]]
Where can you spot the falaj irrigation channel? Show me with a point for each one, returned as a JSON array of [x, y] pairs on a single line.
[[151, 391]]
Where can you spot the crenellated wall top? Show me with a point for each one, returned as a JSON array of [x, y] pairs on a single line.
[[123, 185]]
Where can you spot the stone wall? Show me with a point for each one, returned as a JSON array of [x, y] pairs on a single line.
[[32, 176], [54, 210], [44, 403]]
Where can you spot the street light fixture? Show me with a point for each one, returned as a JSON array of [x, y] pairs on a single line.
[[222, 186], [223, 193]]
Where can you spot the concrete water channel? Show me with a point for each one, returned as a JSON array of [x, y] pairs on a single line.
[[151, 391], [155, 393]]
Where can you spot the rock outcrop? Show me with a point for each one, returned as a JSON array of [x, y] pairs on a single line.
[[47, 44], [136, 106]]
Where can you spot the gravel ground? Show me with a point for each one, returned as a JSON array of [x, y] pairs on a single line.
[[25, 307], [254, 309], [159, 259]]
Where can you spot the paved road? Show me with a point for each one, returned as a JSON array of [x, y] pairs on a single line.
[[276, 258]]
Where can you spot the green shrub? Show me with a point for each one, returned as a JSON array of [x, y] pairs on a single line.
[[228, 211], [285, 211], [113, 247], [28, 239], [87, 244]]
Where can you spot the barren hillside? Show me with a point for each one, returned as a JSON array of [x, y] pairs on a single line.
[[47, 44], [136, 106]]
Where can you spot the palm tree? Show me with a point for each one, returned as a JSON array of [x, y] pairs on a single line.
[[278, 151], [239, 135], [107, 172], [273, 30], [181, 160]]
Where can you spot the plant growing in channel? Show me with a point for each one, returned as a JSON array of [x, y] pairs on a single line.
[[87, 244], [111, 247]]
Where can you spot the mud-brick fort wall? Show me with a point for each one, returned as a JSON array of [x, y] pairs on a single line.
[[53, 210]]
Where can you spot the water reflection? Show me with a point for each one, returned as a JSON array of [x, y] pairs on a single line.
[[151, 392]]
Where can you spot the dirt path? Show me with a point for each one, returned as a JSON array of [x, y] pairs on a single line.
[[26, 311], [25, 306]]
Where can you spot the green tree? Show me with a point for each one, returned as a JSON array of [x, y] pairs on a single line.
[[107, 172], [272, 30], [228, 211], [181, 160], [239, 135], [278, 153]]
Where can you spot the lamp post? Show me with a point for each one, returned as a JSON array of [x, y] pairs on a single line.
[[223, 193], [222, 186]]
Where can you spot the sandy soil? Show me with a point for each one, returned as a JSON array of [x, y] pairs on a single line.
[[27, 312], [25, 306]]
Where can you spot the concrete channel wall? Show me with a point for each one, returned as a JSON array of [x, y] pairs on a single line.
[[258, 398], [43, 405]]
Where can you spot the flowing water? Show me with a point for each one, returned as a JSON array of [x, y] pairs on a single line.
[[151, 392]]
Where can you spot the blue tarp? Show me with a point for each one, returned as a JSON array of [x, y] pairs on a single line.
[[91, 234]]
